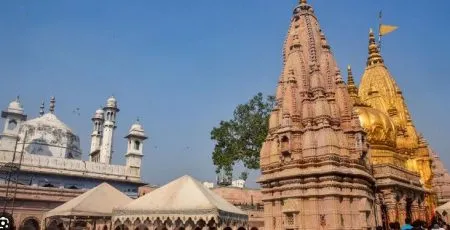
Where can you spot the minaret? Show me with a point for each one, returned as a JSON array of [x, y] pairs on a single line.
[[52, 105], [109, 126], [41, 109], [134, 154], [97, 134], [14, 117], [313, 162]]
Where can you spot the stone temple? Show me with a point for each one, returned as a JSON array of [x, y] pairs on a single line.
[[51, 167], [338, 156]]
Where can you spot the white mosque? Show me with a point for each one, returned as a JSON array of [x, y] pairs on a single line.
[[51, 154]]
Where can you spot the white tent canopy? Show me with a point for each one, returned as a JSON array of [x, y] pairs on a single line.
[[182, 199], [96, 202]]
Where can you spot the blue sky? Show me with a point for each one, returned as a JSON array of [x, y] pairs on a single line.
[[182, 66]]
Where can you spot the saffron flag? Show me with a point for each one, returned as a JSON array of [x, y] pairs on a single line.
[[385, 29]]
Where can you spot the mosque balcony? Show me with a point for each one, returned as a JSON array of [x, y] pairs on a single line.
[[9, 167], [70, 167]]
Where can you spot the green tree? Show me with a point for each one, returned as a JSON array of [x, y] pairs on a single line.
[[240, 139], [244, 176]]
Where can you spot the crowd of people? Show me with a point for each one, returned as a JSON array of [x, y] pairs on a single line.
[[436, 224]]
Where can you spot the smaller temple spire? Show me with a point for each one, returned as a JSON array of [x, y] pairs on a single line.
[[352, 88], [41, 110], [350, 80], [52, 105], [374, 52]]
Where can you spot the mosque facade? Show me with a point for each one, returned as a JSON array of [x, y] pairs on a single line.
[[49, 156]]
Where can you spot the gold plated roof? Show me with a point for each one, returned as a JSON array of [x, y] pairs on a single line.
[[379, 90]]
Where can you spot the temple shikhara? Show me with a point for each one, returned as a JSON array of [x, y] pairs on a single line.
[[338, 155], [341, 156]]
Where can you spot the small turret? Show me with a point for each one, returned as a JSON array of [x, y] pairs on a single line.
[[14, 116], [136, 137], [41, 109], [52, 105]]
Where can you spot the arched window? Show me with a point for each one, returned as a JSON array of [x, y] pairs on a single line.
[[48, 185], [285, 145], [72, 187], [12, 124], [137, 145], [30, 224]]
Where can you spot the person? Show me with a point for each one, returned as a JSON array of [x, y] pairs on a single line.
[[379, 228], [407, 225], [436, 227]]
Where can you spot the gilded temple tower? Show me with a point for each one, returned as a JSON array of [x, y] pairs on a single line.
[[314, 162], [379, 90], [396, 147]]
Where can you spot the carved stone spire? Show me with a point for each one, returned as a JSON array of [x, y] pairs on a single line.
[[312, 131], [374, 52], [52, 105], [41, 109], [352, 89]]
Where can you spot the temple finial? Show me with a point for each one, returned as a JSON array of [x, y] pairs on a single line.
[[18, 98], [303, 2], [52, 105], [374, 52], [41, 110]]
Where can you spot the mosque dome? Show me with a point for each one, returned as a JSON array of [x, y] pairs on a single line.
[[47, 135], [137, 130], [379, 127], [99, 114], [15, 107]]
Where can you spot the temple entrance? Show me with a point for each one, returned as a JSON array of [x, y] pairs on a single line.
[[141, 227], [408, 209], [30, 224], [121, 227]]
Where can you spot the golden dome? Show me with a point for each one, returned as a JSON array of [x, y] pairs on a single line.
[[379, 127]]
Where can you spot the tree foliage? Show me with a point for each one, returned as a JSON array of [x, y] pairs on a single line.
[[240, 139]]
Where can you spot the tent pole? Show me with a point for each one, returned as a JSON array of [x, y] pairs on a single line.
[[95, 223]]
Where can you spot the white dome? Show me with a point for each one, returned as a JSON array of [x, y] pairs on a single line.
[[136, 127], [111, 102], [99, 114], [49, 136], [15, 107], [137, 130]]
